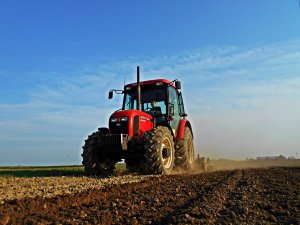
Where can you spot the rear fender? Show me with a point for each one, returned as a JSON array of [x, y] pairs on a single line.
[[180, 131]]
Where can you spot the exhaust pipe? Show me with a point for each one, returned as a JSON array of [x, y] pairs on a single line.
[[138, 89]]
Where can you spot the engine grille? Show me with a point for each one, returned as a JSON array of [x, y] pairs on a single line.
[[119, 128]]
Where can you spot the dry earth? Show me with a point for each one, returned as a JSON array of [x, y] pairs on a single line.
[[245, 196], [18, 188]]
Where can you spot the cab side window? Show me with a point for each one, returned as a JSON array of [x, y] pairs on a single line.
[[181, 107], [173, 99]]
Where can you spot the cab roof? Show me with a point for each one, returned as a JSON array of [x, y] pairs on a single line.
[[150, 82]]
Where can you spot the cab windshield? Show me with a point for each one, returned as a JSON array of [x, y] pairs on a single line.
[[149, 93]]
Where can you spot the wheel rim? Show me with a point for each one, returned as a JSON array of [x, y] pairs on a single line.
[[190, 151], [167, 153]]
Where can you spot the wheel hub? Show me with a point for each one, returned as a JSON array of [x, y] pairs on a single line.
[[166, 152]]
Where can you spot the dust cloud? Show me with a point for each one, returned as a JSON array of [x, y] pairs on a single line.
[[227, 164]]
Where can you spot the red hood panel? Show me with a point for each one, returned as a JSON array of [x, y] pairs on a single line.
[[144, 121]]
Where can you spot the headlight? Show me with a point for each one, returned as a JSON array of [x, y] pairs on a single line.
[[114, 120], [124, 119]]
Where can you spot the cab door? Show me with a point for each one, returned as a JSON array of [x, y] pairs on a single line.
[[173, 109]]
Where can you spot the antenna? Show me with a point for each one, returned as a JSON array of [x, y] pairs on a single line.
[[125, 76]]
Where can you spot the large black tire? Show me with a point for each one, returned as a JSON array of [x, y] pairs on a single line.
[[95, 162], [159, 151], [184, 159]]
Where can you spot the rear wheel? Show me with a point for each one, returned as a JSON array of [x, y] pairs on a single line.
[[159, 151], [185, 151], [95, 161]]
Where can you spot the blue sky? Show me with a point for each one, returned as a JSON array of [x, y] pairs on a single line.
[[238, 62]]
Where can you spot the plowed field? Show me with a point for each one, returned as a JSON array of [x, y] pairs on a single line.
[[244, 196]]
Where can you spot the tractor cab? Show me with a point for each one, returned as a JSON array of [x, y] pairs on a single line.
[[159, 98]]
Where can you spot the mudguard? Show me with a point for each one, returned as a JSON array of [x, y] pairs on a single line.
[[180, 131]]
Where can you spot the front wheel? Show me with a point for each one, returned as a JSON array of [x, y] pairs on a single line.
[[95, 161], [159, 151]]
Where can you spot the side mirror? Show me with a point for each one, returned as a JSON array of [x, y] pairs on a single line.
[[110, 94], [178, 84]]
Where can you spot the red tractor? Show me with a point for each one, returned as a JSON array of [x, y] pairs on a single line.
[[150, 132]]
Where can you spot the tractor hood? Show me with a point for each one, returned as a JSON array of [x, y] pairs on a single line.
[[131, 122]]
